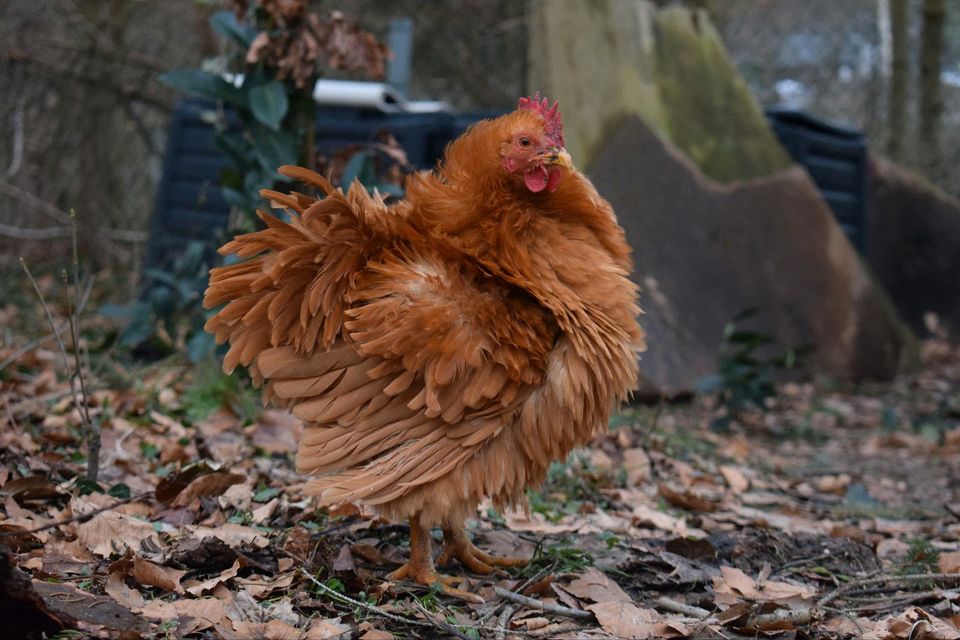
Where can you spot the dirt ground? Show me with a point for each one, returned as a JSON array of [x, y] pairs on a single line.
[[834, 512]]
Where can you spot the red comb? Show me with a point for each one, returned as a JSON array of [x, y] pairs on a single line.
[[554, 125]]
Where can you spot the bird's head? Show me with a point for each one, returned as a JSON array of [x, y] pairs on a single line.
[[532, 148]]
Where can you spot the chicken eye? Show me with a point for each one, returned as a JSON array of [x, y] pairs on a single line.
[[524, 141]]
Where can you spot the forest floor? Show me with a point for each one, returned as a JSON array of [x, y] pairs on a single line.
[[832, 513]]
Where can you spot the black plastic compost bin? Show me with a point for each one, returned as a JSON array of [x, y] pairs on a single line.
[[836, 159], [189, 204]]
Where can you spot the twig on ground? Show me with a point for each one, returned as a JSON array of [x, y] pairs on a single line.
[[503, 621], [443, 626], [800, 562], [673, 606], [865, 582], [896, 604], [777, 618], [336, 595], [81, 518], [552, 632], [533, 603]]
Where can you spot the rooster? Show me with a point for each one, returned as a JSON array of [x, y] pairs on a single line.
[[446, 348]]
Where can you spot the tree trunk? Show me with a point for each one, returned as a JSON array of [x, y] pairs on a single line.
[[899, 70], [931, 61]]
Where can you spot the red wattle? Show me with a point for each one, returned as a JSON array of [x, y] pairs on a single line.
[[554, 180], [536, 179]]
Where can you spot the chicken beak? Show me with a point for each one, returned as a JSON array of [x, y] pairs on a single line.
[[559, 156]]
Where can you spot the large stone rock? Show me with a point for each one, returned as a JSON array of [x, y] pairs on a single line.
[[704, 252], [607, 59], [719, 219], [913, 244]]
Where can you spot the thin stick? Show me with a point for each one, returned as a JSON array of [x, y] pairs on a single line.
[[554, 631], [533, 603], [503, 621], [336, 595], [81, 410], [795, 617], [666, 604], [46, 311], [913, 577], [344, 599], [92, 430], [879, 607], [81, 518], [437, 623]]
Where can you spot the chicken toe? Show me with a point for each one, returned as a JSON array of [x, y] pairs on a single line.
[[457, 545], [420, 567]]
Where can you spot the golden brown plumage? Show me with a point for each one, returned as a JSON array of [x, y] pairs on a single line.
[[446, 348]]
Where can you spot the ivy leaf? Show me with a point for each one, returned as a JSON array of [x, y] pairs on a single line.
[[269, 103], [274, 148], [225, 23], [202, 83]]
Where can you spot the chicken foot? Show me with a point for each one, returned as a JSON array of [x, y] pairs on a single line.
[[420, 567], [457, 545]]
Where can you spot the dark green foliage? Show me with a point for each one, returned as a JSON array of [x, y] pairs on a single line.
[[168, 315], [556, 559], [921, 557], [211, 389], [746, 376]]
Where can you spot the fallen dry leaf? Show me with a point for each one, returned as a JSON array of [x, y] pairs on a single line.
[[689, 498], [212, 484], [371, 633], [595, 585], [734, 478], [626, 620], [645, 516], [30, 488], [193, 615], [110, 532], [116, 588], [636, 463], [950, 562], [200, 587], [733, 585], [917, 624], [530, 624], [235, 535], [150, 574]]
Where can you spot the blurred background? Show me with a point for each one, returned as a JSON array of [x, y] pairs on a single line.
[[128, 114], [85, 122]]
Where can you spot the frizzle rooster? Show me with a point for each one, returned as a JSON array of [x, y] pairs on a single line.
[[446, 348]]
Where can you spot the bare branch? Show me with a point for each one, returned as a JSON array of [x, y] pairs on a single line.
[[33, 233], [666, 604], [37, 203], [533, 603]]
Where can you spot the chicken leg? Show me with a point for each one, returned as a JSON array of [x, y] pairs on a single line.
[[420, 567], [457, 545]]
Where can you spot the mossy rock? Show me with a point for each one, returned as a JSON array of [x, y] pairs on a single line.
[[609, 59]]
